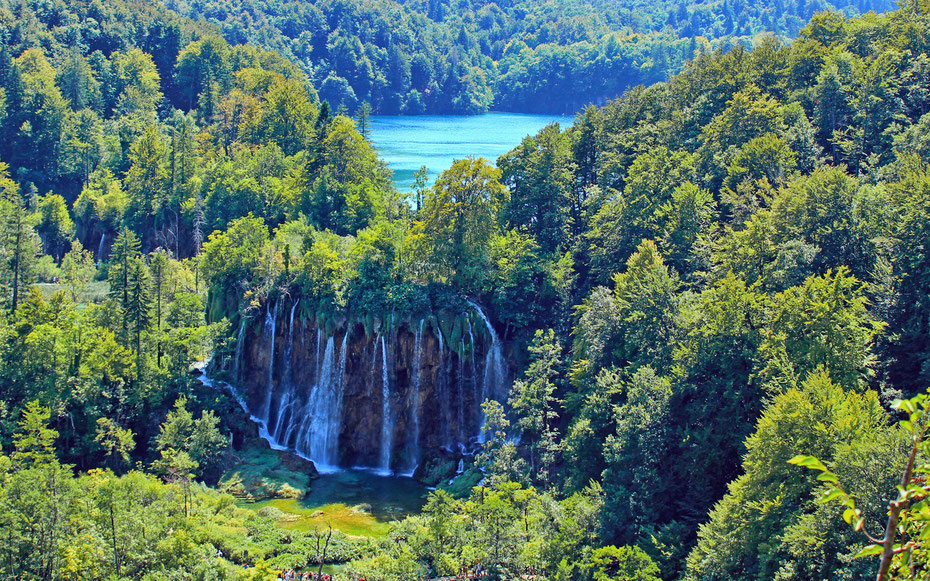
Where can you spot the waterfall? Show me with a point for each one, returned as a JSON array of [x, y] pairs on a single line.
[[374, 364], [387, 426], [461, 399], [240, 345], [311, 405], [100, 248], [271, 321], [494, 384], [474, 372], [316, 436], [414, 405], [339, 388], [443, 390], [288, 398], [319, 354]]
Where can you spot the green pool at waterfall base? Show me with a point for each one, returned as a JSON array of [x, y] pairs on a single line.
[[356, 502]]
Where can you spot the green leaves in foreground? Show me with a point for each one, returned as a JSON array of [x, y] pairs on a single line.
[[903, 547]]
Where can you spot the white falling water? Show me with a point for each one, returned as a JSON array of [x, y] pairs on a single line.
[[271, 321], [415, 398], [461, 399], [315, 435], [443, 389], [100, 248], [335, 415], [387, 425], [374, 365], [288, 399], [474, 371], [319, 354], [494, 385], [306, 414], [240, 346]]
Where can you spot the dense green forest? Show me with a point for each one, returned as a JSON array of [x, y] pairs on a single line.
[[698, 281], [442, 56]]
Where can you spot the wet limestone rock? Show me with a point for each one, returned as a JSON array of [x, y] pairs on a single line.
[[262, 473]]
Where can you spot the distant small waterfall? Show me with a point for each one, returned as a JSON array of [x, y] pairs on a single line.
[[240, 345], [319, 354], [387, 424], [494, 385], [414, 404], [472, 359], [271, 322], [373, 376], [334, 419], [443, 388], [103, 237], [287, 400], [460, 400]]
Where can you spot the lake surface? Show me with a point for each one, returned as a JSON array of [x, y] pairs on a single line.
[[436, 141]]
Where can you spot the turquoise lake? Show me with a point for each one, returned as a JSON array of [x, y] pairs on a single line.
[[436, 141]]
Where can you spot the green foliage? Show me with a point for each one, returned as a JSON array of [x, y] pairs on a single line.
[[718, 253], [820, 324], [820, 417], [458, 221], [466, 58], [532, 403], [623, 563], [499, 458], [901, 547], [200, 439]]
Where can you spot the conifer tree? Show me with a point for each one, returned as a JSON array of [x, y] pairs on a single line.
[[124, 253]]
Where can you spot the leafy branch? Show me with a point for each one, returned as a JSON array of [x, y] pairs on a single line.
[[902, 546]]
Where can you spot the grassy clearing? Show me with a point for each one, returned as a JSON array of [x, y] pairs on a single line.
[[96, 291], [354, 521]]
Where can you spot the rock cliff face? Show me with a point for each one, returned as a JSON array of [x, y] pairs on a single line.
[[375, 399]]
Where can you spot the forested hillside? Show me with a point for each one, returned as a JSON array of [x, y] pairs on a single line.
[[465, 56], [692, 284]]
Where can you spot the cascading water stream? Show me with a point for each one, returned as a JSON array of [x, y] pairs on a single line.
[[474, 371], [240, 346], [319, 354], [443, 389], [387, 425], [463, 437], [373, 376], [494, 384], [315, 436], [414, 404], [288, 399], [271, 321], [300, 406], [100, 248], [335, 424]]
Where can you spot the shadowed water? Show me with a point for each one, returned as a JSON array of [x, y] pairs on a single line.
[[390, 497]]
